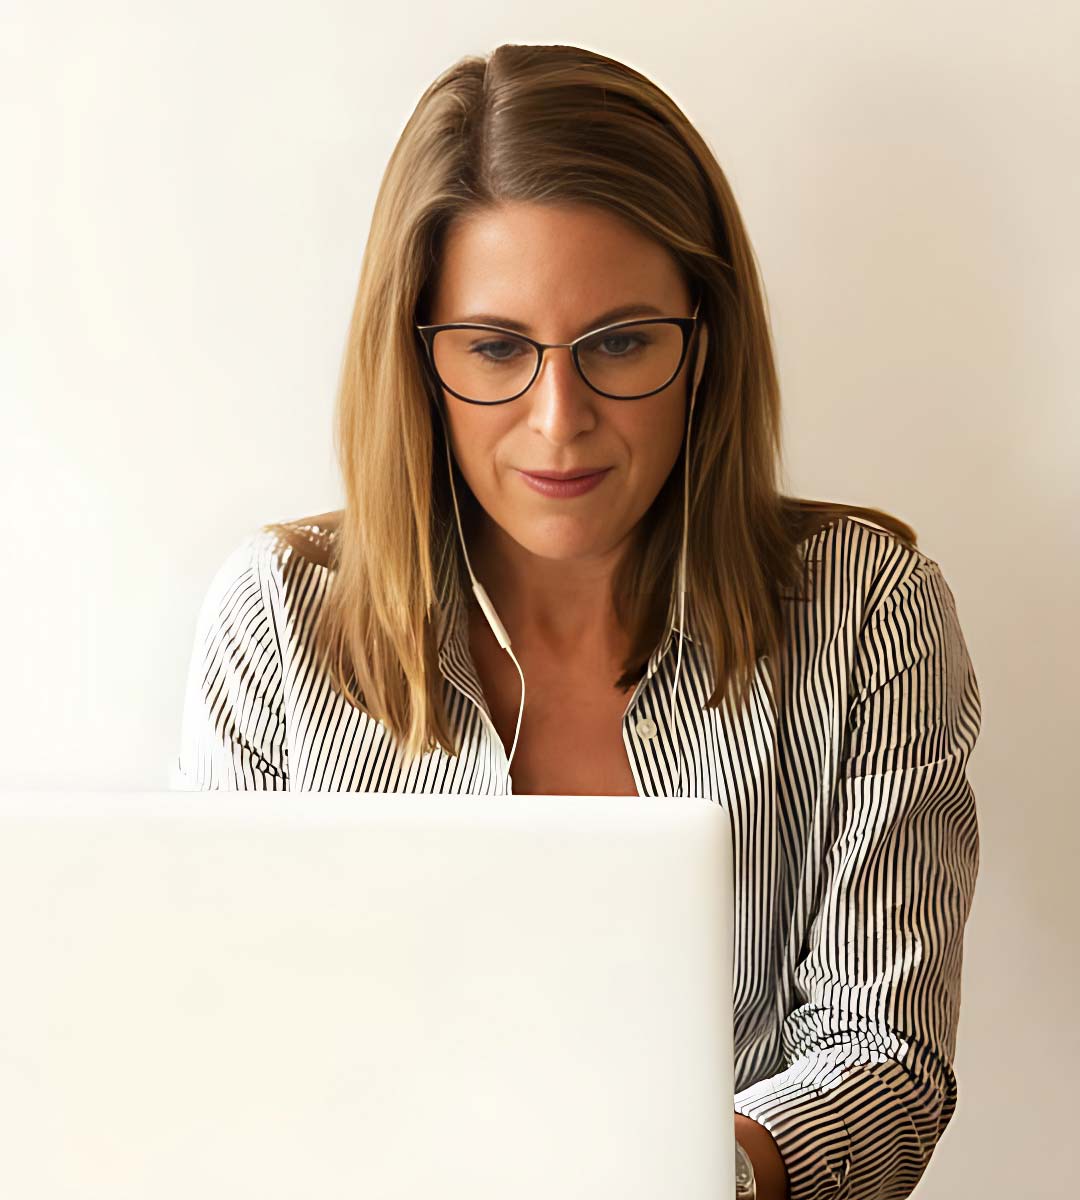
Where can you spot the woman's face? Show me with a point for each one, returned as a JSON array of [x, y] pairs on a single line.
[[559, 270]]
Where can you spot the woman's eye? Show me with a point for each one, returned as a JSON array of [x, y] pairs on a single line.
[[620, 340], [617, 345], [496, 351]]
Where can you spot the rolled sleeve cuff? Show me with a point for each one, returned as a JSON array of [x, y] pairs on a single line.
[[808, 1129]]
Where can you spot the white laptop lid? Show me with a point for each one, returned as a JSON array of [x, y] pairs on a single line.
[[395, 997]]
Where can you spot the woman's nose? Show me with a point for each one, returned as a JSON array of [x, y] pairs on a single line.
[[561, 403]]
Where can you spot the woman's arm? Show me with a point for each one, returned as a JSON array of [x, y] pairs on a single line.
[[868, 1085], [232, 735]]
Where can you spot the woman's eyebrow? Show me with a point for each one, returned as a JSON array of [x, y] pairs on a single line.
[[604, 318]]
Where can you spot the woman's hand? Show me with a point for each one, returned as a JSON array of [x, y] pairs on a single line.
[[769, 1170]]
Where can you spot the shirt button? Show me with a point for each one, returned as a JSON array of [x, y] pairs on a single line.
[[646, 728]]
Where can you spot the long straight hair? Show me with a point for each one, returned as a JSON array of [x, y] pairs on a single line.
[[550, 125]]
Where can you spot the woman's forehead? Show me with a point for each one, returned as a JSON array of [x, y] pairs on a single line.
[[538, 263]]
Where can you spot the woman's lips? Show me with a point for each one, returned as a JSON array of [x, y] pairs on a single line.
[[564, 487]]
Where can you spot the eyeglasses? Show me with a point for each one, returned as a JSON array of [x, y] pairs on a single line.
[[624, 361]]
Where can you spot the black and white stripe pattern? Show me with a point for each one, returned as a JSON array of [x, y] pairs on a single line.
[[855, 830]]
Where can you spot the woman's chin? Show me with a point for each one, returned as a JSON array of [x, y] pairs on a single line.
[[567, 545]]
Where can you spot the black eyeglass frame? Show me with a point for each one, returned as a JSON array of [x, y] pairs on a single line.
[[686, 325]]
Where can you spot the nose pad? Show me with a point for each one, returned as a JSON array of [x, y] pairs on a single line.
[[571, 366]]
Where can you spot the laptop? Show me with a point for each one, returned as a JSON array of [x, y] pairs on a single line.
[[261, 996]]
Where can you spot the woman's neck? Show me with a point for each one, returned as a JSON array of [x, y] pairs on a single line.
[[557, 606]]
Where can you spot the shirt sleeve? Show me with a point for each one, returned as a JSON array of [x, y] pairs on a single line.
[[868, 1087], [232, 735]]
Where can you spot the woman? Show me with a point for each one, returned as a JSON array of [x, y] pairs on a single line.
[[557, 281]]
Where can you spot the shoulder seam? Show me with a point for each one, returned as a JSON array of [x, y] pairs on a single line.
[[922, 572]]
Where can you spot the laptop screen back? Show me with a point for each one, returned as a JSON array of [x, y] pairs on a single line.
[[394, 996]]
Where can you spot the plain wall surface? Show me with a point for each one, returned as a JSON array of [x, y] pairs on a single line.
[[187, 195]]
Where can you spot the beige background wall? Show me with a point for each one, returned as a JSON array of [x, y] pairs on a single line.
[[187, 192]]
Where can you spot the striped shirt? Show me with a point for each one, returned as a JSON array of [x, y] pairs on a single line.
[[854, 825]]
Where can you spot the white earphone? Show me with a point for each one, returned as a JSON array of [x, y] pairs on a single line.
[[699, 366], [492, 616], [482, 597]]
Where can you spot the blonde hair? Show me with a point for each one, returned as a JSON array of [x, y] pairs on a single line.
[[553, 124]]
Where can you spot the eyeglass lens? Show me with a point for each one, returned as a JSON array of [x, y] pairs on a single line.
[[489, 366]]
